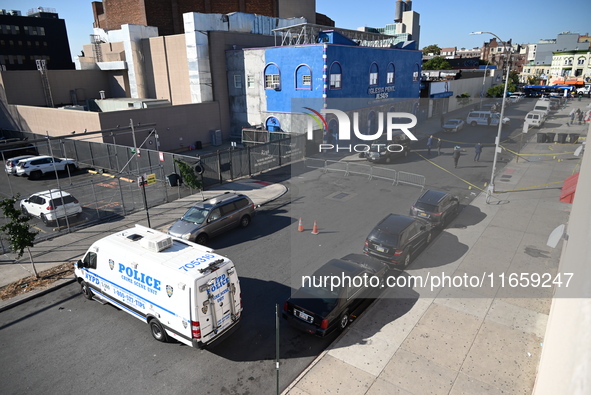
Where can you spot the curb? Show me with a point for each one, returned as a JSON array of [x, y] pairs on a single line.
[[20, 299]]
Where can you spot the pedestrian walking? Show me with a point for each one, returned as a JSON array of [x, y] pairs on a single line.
[[477, 152], [456, 155], [438, 146], [581, 114], [429, 144], [572, 116]]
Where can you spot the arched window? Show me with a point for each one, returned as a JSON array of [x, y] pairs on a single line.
[[390, 74], [336, 74], [272, 77], [272, 124], [303, 77], [373, 74]]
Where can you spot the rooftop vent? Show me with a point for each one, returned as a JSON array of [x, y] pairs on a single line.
[[156, 243]]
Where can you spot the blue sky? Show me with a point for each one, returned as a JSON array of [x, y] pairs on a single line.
[[445, 23]]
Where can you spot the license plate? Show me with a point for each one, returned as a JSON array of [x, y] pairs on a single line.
[[423, 215], [303, 316], [381, 249]]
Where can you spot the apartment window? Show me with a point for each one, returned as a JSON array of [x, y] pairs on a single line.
[[272, 77], [390, 74], [250, 81], [335, 76], [373, 74], [303, 77], [41, 31], [26, 29], [237, 81], [581, 61]]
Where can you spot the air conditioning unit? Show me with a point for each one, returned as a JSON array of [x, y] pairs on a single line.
[[156, 243]]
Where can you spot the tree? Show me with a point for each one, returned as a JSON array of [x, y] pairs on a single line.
[[433, 48], [17, 230], [437, 63], [533, 80], [188, 174], [497, 90], [463, 99]]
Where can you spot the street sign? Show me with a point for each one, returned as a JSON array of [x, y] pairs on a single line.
[[151, 179]]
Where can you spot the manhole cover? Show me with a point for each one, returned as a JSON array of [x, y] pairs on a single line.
[[340, 195]]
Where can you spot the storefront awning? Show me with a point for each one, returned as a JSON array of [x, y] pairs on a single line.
[[568, 82], [568, 189]]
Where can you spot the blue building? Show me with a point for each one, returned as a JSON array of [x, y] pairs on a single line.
[[357, 72]]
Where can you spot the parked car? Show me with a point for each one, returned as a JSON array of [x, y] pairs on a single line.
[[485, 118], [37, 166], [213, 217], [320, 309], [453, 125], [397, 239], [10, 164], [436, 207], [386, 151], [51, 206]]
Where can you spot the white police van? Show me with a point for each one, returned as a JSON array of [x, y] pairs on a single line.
[[183, 290]]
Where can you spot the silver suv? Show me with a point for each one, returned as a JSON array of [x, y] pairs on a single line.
[[37, 166], [213, 217], [50, 205]]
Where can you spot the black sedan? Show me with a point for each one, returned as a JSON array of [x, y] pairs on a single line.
[[335, 294]]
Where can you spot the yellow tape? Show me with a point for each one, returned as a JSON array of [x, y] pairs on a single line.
[[447, 171]]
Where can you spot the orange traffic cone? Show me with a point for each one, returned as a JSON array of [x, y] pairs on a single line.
[[315, 229], [300, 226]]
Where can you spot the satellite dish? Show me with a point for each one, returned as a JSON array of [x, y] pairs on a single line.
[[555, 236]]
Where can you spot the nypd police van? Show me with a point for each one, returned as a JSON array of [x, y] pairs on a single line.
[[182, 290]]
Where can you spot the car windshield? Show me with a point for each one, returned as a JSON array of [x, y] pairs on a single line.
[[384, 236], [196, 215], [453, 121]]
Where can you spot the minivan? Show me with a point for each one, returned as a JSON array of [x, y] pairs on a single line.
[[535, 118], [543, 106], [485, 118], [213, 217]]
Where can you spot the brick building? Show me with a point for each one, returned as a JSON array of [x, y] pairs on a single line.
[[167, 15]]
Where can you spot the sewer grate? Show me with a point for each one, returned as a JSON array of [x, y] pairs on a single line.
[[340, 195]]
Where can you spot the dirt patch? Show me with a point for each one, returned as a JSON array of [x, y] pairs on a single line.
[[46, 278]]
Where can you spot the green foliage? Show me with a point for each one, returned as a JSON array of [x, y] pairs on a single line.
[[497, 90], [17, 227], [437, 63], [513, 77], [464, 98], [533, 80], [188, 175], [433, 48]]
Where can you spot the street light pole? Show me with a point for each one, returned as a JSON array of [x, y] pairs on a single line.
[[491, 185]]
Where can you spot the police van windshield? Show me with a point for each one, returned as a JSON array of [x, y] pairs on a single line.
[[196, 215]]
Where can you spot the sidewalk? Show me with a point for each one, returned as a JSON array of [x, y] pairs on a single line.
[[464, 339], [71, 247]]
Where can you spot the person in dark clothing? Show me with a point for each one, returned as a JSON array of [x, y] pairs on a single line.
[[456, 155], [477, 152], [429, 144]]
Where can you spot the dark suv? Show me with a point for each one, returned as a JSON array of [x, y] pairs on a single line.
[[397, 239], [213, 217], [436, 207], [386, 151]]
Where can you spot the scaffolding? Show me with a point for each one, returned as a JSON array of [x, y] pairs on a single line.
[[308, 33]]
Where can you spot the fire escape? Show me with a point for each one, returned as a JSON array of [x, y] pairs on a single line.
[[42, 67]]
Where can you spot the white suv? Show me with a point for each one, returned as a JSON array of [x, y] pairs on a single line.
[[50, 205], [37, 166]]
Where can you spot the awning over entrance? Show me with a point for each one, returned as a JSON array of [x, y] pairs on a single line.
[[569, 82], [568, 189]]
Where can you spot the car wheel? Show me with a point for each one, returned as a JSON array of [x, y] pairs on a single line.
[[25, 212], [407, 258], [245, 221], [35, 175], [86, 291], [71, 168], [44, 219], [201, 239], [157, 330], [344, 321]]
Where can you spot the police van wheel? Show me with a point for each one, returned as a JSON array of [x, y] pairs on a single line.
[[86, 291], [157, 330]]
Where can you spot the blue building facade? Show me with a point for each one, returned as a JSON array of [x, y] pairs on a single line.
[[335, 73]]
